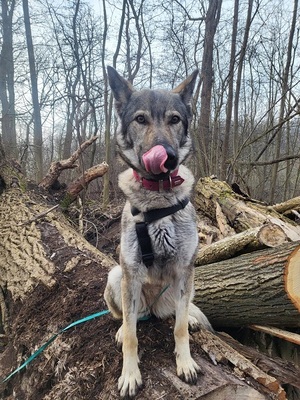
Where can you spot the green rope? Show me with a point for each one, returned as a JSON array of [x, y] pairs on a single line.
[[145, 317], [45, 345], [78, 322]]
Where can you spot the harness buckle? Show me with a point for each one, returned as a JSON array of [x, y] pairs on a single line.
[[176, 181], [148, 259]]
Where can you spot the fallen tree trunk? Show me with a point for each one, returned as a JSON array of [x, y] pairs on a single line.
[[241, 213], [287, 206], [256, 288], [268, 235]]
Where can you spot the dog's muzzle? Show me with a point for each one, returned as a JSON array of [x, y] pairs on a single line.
[[160, 159]]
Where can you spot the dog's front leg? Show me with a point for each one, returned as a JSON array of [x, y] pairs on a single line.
[[187, 368], [130, 380]]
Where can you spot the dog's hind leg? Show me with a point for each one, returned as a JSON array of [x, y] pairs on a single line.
[[112, 293], [198, 320], [187, 368]]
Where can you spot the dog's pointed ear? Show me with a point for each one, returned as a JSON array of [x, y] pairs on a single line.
[[121, 88], [186, 88]]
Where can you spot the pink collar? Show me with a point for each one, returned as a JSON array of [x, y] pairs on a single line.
[[157, 186]]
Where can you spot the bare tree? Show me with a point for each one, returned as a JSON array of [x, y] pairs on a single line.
[[285, 92], [207, 76], [38, 136], [7, 84], [225, 148]]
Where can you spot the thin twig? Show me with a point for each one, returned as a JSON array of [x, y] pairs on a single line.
[[39, 216]]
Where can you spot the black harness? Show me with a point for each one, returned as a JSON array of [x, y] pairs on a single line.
[[142, 227]]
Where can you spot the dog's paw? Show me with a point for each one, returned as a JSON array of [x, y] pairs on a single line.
[[187, 370], [198, 320], [129, 383], [194, 324]]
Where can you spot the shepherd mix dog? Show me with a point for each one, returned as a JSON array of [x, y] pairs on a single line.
[[159, 234]]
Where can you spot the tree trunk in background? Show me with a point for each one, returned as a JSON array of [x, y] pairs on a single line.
[[38, 136], [7, 92], [72, 86], [239, 81], [108, 100], [107, 114], [283, 103], [204, 134], [228, 130]]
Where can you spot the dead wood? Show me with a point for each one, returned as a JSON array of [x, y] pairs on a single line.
[[57, 167], [287, 206], [268, 235], [280, 333], [75, 187], [261, 288], [241, 213], [285, 372], [220, 352]]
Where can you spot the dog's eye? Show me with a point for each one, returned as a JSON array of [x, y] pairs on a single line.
[[174, 120], [140, 119]]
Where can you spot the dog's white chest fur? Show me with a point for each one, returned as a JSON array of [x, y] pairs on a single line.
[[174, 238]]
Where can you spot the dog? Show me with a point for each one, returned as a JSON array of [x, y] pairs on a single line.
[[159, 236]]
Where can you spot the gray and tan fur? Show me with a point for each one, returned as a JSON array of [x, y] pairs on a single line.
[[148, 118]]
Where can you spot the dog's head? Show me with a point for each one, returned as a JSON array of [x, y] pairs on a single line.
[[153, 134]]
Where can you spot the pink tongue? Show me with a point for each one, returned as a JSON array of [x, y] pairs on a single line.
[[154, 160]]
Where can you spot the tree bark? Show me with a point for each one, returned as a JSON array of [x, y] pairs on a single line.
[[285, 92], [211, 22], [287, 206], [231, 74], [7, 80], [38, 136], [256, 288]]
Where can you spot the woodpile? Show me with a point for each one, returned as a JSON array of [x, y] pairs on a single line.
[[250, 274]]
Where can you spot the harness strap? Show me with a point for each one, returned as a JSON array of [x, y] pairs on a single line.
[[145, 243], [142, 227]]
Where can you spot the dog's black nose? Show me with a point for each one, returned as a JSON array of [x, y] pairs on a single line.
[[172, 160]]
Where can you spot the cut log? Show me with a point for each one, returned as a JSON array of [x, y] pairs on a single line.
[[241, 213], [268, 235], [222, 222], [257, 288], [215, 384]]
